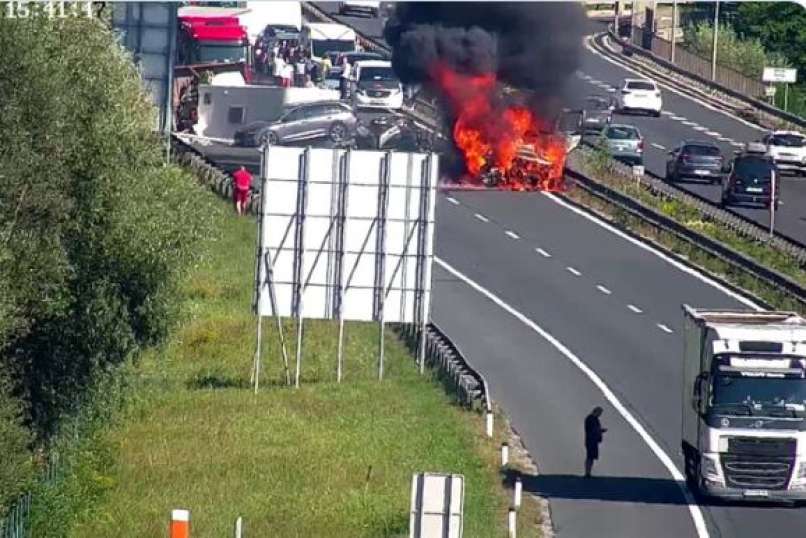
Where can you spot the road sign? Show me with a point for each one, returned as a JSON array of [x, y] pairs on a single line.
[[437, 502], [779, 74]]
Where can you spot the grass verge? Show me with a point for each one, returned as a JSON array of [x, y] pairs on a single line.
[[326, 460]]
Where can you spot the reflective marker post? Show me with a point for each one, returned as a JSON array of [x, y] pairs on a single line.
[[773, 199]]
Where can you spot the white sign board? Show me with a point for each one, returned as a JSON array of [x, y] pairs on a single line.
[[437, 502], [779, 74], [346, 234]]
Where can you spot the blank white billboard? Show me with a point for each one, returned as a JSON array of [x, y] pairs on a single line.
[[349, 228]]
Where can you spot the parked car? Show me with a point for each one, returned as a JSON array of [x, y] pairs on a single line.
[[640, 95], [371, 8], [337, 58], [597, 112], [376, 85], [333, 79], [695, 159], [749, 179], [624, 142], [788, 150], [331, 120]]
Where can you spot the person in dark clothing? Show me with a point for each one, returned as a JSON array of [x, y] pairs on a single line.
[[593, 436]]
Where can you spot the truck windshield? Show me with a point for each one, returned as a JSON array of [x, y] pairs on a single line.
[[761, 395], [321, 46], [209, 53]]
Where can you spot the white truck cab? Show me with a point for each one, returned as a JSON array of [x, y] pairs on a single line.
[[318, 38], [788, 150], [744, 404]]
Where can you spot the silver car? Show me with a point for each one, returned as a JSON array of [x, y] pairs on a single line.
[[333, 120], [624, 142]]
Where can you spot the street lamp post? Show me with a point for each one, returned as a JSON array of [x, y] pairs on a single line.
[[716, 32], [674, 29]]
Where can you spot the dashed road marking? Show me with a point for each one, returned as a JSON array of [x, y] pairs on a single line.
[[453, 200], [667, 113], [635, 309], [700, 128], [664, 328], [481, 217], [543, 252], [736, 144], [613, 90], [512, 234], [688, 122], [725, 139], [713, 133], [573, 271], [679, 118], [654, 145], [603, 289]]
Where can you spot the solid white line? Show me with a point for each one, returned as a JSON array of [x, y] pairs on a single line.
[[543, 253], [635, 309], [452, 200], [679, 118], [573, 271], [481, 217], [666, 461], [654, 145], [672, 89], [664, 328], [640, 244], [512, 234], [603, 289], [713, 133]]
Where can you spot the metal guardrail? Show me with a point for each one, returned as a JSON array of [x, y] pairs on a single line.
[[755, 103], [711, 246]]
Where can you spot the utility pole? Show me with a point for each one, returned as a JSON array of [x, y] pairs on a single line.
[[674, 29], [716, 31]]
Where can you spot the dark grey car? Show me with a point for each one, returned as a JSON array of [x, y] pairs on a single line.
[[699, 160], [333, 120], [597, 113]]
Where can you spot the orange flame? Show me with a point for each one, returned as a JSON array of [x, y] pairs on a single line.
[[506, 144]]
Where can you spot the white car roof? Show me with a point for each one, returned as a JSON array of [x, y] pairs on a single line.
[[628, 80], [794, 133], [373, 63]]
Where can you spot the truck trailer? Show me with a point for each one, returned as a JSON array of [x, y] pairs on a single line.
[[744, 404]]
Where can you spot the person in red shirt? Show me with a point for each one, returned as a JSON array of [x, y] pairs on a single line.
[[240, 191]]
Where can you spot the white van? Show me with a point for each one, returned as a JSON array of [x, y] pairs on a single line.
[[319, 38], [376, 85]]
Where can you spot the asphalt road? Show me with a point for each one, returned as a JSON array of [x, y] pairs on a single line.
[[685, 120]]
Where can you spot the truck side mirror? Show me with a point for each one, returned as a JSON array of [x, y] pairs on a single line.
[[697, 395]]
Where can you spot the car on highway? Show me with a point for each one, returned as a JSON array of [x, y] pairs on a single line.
[[337, 58], [331, 120], [376, 86], [371, 8], [695, 159], [788, 150], [640, 95], [749, 179], [624, 143], [597, 112]]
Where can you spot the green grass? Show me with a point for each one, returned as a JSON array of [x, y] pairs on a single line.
[[328, 459]]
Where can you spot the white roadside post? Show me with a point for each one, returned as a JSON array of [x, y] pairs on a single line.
[[518, 494], [504, 454], [489, 424], [239, 527], [638, 172], [512, 523], [773, 199]]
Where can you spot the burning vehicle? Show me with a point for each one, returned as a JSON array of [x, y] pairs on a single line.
[[499, 71]]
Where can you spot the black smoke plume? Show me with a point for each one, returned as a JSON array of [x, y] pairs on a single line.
[[531, 46]]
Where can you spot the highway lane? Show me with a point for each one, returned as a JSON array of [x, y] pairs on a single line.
[[687, 119], [612, 303]]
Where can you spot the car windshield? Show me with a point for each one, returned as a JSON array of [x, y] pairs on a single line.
[[620, 132], [640, 85], [322, 46], [378, 73], [221, 53], [596, 103], [759, 393], [788, 140], [709, 151], [752, 168]]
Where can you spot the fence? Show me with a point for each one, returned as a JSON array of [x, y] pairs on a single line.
[[693, 63]]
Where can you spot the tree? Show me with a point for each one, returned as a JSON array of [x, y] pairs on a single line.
[[779, 26]]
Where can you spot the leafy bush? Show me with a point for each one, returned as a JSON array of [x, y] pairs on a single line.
[[16, 464], [744, 55]]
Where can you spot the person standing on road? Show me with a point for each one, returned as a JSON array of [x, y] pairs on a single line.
[[300, 69], [593, 437], [240, 191], [278, 69], [344, 81]]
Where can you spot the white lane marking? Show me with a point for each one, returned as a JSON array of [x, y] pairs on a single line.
[[667, 113], [689, 122], [481, 217], [573, 271], [668, 259], [700, 128], [594, 81], [673, 90], [512, 234], [679, 118], [603, 289], [725, 139], [453, 200], [713, 133], [654, 145], [613, 90], [635, 309], [543, 253], [736, 144], [664, 328], [666, 461]]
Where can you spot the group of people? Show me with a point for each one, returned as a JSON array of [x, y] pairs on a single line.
[[290, 65]]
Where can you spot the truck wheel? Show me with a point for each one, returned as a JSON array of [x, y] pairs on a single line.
[[269, 138], [338, 132]]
